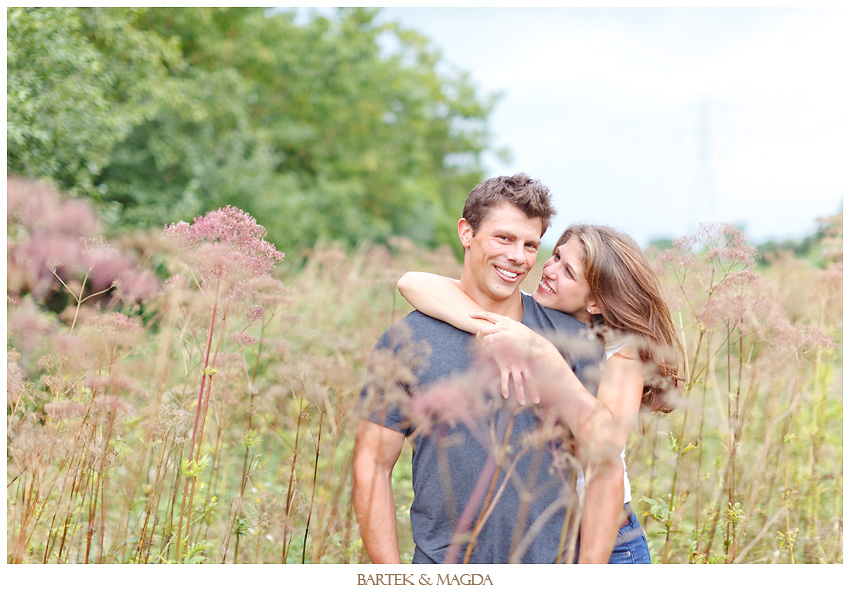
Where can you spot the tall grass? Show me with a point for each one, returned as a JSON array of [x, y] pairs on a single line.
[[172, 400], [750, 467]]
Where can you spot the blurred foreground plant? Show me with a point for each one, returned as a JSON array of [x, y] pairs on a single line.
[[210, 416], [189, 419]]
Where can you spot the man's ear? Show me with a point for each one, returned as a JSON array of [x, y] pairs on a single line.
[[464, 232]]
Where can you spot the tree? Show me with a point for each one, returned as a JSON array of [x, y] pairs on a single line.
[[340, 128], [78, 80]]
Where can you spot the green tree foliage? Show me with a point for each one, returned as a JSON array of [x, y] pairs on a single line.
[[77, 83], [341, 127], [817, 248]]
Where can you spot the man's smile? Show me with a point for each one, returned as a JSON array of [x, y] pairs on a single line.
[[509, 275]]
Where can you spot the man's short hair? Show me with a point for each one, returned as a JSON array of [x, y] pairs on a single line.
[[520, 190]]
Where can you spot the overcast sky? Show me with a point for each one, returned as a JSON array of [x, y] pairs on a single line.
[[653, 120]]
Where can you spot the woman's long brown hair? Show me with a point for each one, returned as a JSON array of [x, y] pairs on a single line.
[[628, 294]]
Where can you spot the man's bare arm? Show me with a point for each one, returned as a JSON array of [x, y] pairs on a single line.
[[376, 450]]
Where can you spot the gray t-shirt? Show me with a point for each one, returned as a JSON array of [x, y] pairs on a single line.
[[457, 436]]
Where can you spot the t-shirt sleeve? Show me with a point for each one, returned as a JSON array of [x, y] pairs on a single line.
[[384, 396]]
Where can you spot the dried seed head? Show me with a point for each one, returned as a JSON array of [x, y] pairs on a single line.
[[64, 409]]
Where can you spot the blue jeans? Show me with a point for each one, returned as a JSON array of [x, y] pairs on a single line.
[[631, 546]]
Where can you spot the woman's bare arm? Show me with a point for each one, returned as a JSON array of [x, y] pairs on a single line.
[[601, 424], [602, 427], [441, 298], [620, 394], [603, 513]]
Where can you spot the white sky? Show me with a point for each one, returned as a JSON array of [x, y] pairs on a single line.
[[652, 120]]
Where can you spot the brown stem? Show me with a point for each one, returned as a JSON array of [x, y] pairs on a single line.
[[192, 452], [315, 475], [479, 524], [286, 536]]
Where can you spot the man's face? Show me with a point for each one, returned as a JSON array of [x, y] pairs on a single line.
[[499, 255]]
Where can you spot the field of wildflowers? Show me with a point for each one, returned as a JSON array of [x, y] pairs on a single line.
[[189, 396]]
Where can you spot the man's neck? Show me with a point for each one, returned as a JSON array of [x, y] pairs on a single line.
[[512, 307]]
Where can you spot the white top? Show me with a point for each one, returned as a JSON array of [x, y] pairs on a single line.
[[627, 489]]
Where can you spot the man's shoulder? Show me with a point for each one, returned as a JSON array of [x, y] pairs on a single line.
[[541, 317], [418, 326], [428, 347], [419, 321], [572, 338]]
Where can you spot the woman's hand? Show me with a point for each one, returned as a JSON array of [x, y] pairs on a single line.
[[512, 345]]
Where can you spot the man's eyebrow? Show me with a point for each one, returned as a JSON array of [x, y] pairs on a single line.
[[513, 236], [507, 233]]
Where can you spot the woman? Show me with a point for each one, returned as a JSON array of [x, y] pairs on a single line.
[[599, 276]]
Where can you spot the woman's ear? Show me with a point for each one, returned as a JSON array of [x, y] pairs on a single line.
[[593, 309], [464, 232]]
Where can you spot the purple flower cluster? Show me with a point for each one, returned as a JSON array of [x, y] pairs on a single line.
[[715, 276], [226, 244], [721, 242], [116, 322], [52, 236], [255, 313]]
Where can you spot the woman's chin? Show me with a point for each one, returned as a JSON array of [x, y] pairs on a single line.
[[544, 299], [555, 303]]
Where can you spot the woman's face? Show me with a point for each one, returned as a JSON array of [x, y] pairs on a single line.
[[563, 285]]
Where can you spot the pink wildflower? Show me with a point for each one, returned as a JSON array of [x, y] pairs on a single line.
[[255, 313], [14, 383], [52, 238], [721, 242], [742, 298], [64, 409], [114, 384], [112, 405], [243, 339], [175, 282], [67, 345], [116, 322], [37, 206], [42, 252], [237, 231], [460, 400], [28, 327], [267, 292]]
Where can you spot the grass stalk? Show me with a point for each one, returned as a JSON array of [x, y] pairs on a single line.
[[289, 490], [315, 477]]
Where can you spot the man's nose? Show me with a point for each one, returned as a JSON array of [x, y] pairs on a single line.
[[517, 252]]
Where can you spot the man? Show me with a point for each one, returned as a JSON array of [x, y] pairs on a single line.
[[486, 488]]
